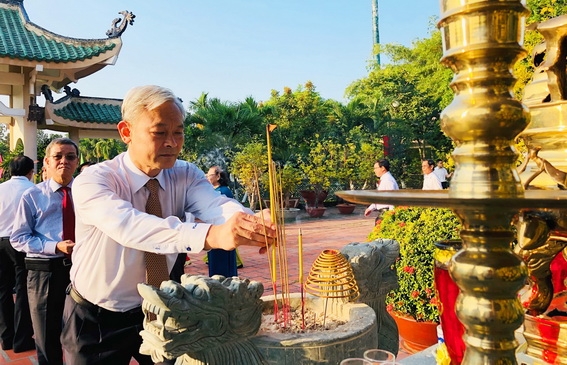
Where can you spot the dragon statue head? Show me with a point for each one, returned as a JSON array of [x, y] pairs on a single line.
[[201, 317]]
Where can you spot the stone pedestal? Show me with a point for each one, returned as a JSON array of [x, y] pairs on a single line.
[[322, 347]]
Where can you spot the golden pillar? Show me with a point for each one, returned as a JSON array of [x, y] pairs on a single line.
[[481, 43]]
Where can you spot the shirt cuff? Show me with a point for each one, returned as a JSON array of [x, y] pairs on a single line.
[[50, 248], [193, 236]]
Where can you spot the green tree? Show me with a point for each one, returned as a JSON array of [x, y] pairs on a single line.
[[301, 116], [220, 126], [100, 149], [248, 166], [407, 97]]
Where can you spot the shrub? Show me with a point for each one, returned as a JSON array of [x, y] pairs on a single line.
[[416, 230]]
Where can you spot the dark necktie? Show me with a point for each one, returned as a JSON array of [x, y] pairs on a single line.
[[68, 215], [156, 265]]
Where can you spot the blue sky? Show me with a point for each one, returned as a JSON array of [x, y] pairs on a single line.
[[232, 49]]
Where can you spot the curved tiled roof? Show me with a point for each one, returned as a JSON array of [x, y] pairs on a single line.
[[89, 112], [22, 39], [84, 112]]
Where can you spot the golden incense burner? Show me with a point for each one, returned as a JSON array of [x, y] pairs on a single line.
[[482, 41]]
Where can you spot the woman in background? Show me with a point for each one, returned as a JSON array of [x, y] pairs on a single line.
[[222, 262]]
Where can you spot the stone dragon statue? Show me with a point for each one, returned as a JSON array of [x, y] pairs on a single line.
[[372, 264], [203, 320]]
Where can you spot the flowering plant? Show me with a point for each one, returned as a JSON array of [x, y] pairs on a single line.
[[416, 230]]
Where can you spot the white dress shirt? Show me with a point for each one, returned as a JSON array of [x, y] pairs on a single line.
[[10, 194], [441, 173], [113, 230], [387, 182], [431, 182]]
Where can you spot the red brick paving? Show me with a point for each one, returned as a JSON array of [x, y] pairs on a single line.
[[332, 231]]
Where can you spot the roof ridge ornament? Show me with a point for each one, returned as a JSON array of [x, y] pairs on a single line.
[[117, 30], [46, 91]]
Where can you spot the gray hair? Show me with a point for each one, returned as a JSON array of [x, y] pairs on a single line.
[[63, 141], [143, 98]]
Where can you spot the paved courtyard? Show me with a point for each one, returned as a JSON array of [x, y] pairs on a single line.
[[332, 231]]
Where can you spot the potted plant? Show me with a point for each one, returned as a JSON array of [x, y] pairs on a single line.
[[346, 208], [318, 169], [415, 301], [248, 166], [288, 178]]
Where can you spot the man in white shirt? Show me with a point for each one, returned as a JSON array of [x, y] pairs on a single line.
[[387, 182], [430, 180], [442, 174], [114, 231], [15, 321]]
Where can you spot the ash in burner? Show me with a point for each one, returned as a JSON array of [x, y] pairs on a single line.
[[314, 322]]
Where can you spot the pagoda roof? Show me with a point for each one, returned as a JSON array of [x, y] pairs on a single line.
[[58, 60], [83, 112]]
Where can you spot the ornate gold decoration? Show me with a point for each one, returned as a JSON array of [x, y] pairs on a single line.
[[539, 241], [546, 96], [331, 276], [543, 165], [546, 334]]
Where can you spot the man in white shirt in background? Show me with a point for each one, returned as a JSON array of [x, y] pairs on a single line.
[[15, 320], [430, 180], [387, 182], [442, 174], [103, 315]]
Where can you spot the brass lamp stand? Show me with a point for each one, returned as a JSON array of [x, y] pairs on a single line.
[[482, 41]]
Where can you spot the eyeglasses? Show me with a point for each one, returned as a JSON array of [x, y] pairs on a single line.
[[68, 157]]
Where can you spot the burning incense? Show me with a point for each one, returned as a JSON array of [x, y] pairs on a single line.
[[300, 253]]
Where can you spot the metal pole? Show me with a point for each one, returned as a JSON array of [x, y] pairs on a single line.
[[375, 28]]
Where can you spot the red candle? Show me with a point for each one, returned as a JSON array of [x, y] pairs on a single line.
[[447, 292]]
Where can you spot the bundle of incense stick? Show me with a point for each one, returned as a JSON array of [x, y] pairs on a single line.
[[277, 254]]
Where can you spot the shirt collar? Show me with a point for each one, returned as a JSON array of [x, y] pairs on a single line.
[[54, 185], [19, 178], [136, 177]]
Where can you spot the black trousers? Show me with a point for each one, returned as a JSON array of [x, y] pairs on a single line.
[[46, 294], [15, 321], [178, 268], [93, 335]]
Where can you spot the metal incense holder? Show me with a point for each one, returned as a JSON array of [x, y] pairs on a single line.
[[331, 276], [481, 42]]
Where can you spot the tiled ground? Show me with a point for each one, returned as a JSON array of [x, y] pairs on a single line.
[[332, 231]]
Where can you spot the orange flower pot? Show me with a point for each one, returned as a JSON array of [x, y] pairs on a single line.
[[416, 336]]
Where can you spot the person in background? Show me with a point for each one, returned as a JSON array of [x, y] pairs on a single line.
[[223, 262], [387, 182], [442, 174], [15, 321], [430, 180], [131, 226], [44, 175], [44, 229], [84, 165]]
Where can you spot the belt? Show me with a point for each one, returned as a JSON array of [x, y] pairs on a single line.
[[95, 309], [46, 264], [5, 239], [78, 298]]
